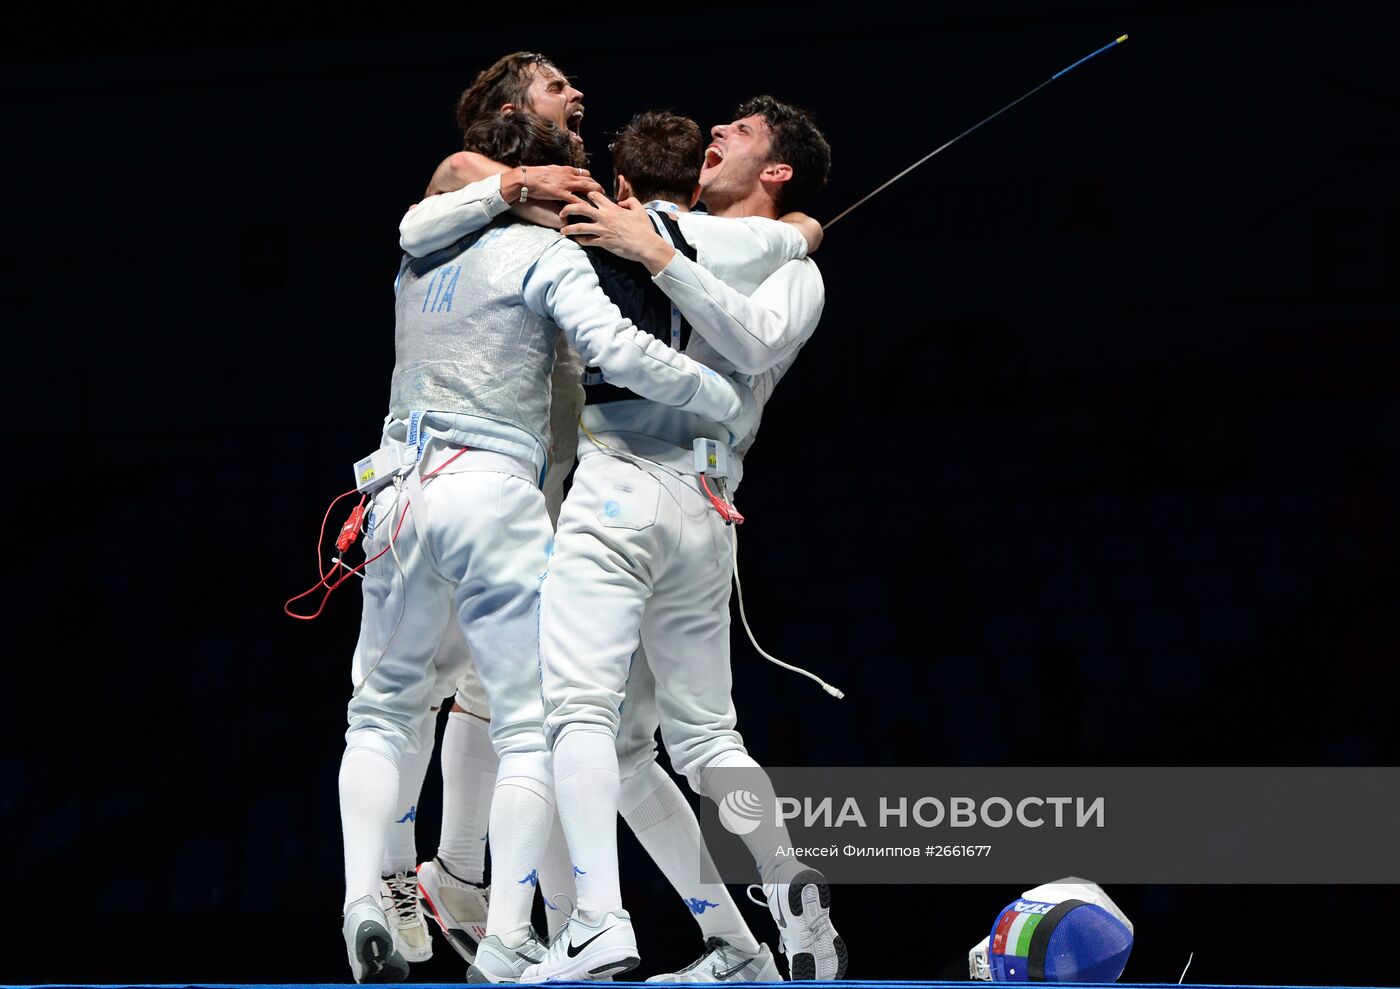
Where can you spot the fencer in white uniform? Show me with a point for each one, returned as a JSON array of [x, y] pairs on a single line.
[[640, 544], [452, 881], [744, 252], [465, 537]]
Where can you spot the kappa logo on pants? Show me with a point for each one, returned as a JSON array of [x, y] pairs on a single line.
[[533, 879], [410, 817], [698, 906]]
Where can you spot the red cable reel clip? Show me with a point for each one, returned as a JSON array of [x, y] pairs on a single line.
[[712, 460]]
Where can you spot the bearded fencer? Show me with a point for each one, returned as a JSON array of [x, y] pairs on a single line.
[[451, 883]]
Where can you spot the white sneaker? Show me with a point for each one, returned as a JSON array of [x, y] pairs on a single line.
[[583, 952], [802, 910], [458, 907], [369, 945], [722, 962], [497, 963], [411, 938]]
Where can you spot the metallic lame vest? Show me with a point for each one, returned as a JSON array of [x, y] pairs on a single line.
[[466, 344]]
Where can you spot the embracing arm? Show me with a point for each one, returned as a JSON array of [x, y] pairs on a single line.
[[810, 229], [562, 286], [460, 169], [739, 250], [752, 332], [445, 219], [756, 331], [469, 190], [743, 251]]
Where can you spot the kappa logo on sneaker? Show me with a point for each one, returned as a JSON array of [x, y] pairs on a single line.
[[410, 817], [574, 949], [699, 906], [533, 879]]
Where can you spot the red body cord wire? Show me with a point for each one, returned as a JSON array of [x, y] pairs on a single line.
[[728, 512], [350, 571]]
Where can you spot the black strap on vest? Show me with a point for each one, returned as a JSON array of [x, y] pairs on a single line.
[[628, 284]]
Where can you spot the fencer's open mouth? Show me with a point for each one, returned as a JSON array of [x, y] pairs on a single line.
[[574, 123], [714, 158]]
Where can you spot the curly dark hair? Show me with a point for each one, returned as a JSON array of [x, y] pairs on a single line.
[[507, 80], [660, 153], [796, 141], [520, 138]]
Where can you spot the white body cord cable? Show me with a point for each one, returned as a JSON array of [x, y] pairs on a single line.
[[833, 691], [403, 581]]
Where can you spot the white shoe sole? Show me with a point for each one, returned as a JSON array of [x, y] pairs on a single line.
[[378, 960], [597, 966], [820, 954]]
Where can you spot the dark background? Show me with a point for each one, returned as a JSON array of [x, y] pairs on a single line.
[[1093, 459]]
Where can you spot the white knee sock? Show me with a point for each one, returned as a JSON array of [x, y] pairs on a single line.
[[556, 877], [521, 814], [763, 843], [400, 848], [663, 821], [586, 784], [369, 784], [469, 769]]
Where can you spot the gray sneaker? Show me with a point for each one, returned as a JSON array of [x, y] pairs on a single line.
[[722, 962], [497, 963], [369, 945]]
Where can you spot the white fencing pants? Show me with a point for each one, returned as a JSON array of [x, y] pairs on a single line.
[[473, 553], [640, 557], [472, 550]]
